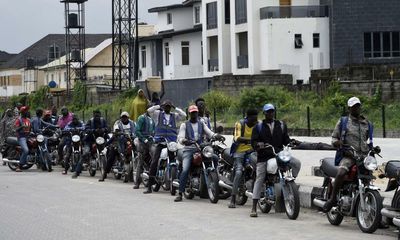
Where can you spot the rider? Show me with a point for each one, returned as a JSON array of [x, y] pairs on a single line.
[[63, 120], [273, 132], [201, 105], [123, 125], [97, 127], [145, 132], [193, 130], [354, 134], [241, 148], [74, 124], [23, 128], [166, 128], [37, 120]]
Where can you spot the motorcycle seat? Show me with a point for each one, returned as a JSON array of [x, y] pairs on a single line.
[[12, 141], [227, 156], [328, 167], [392, 169]]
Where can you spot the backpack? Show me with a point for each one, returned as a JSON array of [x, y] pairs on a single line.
[[343, 130]]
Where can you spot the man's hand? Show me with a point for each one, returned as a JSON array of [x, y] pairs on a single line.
[[294, 142], [146, 141], [219, 137], [338, 144], [186, 142]]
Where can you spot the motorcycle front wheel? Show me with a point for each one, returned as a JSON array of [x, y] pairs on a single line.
[[174, 175], [368, 219], [103, 163], [292, 200], [213, 187]]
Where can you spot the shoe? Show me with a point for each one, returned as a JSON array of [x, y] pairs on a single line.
[[253, 214], [147, 191], [178, 198], [64, 172], [135, 186], [18, 169], [50, 170], [75, 175], [232, 205], [101, 180], [328, 206], [4, 163]]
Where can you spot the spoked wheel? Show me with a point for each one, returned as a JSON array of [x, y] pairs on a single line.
[[174, 175], [167, 180], [48, 162], [369, 218], [136, 171], [103, 163], [92, 168], [213, 187], [334, 216], [292, 200]]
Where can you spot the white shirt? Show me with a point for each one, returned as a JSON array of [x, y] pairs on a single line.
[[195, 126], [155, 111], [126, 127]]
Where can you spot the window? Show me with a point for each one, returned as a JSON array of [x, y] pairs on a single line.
[[381, 44], [201, 52], [143, 56], [395, 44], [185, 53], [241, 11], [367, 45], [298, 43], [169, 18], [376, 40], [316, 40], [227, 12], [166, 47], [386, 44], [197, 15], [212, 16]]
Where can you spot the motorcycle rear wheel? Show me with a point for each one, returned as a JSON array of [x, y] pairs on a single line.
[[368, 221], [292, 203], [334, 218]]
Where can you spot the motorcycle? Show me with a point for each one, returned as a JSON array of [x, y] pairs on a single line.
[[358, 196], [226, 175], [123, 167], [76, 147], [278, 180], [167, 169], [392, 172], [203, 174], [52, 145], [43, 150]]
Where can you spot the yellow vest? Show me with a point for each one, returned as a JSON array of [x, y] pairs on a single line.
[[247, 134]]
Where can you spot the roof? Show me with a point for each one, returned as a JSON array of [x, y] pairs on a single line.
[[5, 56], [190, 2], [39, 50], [171, 33], [166, 8]]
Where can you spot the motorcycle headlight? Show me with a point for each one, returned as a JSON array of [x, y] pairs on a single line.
[[172, 146], [76, 138], [370, 163], [40, 138], [284, 156], [208, 152], [100, 141]]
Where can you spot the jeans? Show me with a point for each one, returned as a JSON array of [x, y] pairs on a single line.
[[25, 151], [144, 156], [187, 155], [156, 150], [238, 159], [261, 173]]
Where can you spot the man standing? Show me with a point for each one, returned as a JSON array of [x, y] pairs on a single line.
[[274, 133], [242, 148], [166, 128], [201, 105], [23, 128]]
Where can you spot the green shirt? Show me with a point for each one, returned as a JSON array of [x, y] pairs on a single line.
[[144, 127]]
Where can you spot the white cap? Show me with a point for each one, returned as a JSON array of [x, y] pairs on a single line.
[[353, 101], [125, 114]]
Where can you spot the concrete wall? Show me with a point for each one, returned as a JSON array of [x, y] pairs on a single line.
[[180, 19]]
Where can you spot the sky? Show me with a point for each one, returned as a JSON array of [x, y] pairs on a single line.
[[23, 22]]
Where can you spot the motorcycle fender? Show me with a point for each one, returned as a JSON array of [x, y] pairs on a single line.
[[173, 164], [373, 187]]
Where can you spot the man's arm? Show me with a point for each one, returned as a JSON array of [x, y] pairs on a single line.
[[255, 135], [182, 134], [138, 130], [336, 135], [206, 130], [181, 115], [286, 138], [154, 111], [49, 125]]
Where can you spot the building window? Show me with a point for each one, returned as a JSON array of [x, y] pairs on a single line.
[[298, 43], [169, 18], [166, 47], [227, 12], [212, 16], [316, 40], [241, 11], [143, 56], [185, 53], [381, 44], [197, 15], [201, 52]]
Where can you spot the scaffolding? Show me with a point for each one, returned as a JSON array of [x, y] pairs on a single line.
[[125, 44]]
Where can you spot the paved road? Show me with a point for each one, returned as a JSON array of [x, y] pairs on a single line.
[[40, 205]]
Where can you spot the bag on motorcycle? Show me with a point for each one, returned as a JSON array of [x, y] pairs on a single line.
[[392, 169]]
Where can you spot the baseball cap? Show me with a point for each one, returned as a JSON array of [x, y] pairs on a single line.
[[24, 109], [47, 113], [268, 107], [125, 114], [353, 101], [193, 108]]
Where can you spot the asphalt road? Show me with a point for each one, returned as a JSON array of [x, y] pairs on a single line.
[[40, 205]]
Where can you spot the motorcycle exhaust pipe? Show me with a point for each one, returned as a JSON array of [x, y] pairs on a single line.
[[175, 183], [390, 214], [10, 161], [224, 185], [396, 221], [249, 194], [145, 176], [319, 202]]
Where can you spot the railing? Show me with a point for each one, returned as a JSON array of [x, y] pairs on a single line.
[[294, 12], [243, 61], [213, 65]]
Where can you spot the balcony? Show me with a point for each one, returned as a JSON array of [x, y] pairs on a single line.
[[213, 65], [294, 12], [242, 61]]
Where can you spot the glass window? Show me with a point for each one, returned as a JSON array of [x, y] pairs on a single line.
[[376, 40], [212, 16], [166, 54], [395, 44], [241, 11], [185, 53], [386, 44], [316, 40], [169, 18], [197, 15], [367, 45], [143, 50], [227, 12]]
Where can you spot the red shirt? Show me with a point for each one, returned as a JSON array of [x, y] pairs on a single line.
[[25, 122]]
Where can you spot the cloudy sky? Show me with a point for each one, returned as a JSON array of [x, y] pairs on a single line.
[[23, 22]]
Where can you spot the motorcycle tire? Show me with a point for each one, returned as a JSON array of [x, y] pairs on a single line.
[[188, 194], [49, 164], [334, 218], [241, 198], [203, 187], [264, 207], [103, 164], [167, 179], [174, 175], [92, 172], [13, 166], [156, 187], [292, 203], [374, 202], [213, 187]]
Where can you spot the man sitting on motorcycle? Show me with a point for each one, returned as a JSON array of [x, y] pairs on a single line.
[[193, 130], [23, 129], [37, 121], [63, 120], [123, 125], [241, 148], [354, 134], [75, 124], [144, 131], [272, 132], [95, 127], [166, 128]]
